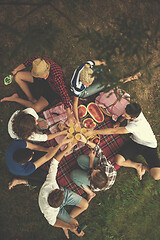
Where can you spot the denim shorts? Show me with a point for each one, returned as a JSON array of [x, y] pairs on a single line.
[[70, 198]]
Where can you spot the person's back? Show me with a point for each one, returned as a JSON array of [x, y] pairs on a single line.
[[18, 158], [141, 131]]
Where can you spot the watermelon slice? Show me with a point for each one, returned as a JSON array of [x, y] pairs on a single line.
[[89, 123], [95, 112], [82, 111]]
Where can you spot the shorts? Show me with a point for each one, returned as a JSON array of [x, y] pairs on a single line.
[[70, 198], [41, 88], [132, 149]]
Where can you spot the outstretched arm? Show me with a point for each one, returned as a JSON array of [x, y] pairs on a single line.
[[54, 135], [52, 151], [75, 108], [36, 147], [108, 131]]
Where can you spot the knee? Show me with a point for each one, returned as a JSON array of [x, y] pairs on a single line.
[[85, 204], [119, 159], [156, 176], [83, 160], [17, 77], [155, 173], [73, 174]]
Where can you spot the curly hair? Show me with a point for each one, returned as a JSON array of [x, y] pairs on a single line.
[[23, 125]]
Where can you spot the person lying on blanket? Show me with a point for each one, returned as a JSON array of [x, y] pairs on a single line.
[[24, 159], [44, 84], [82, 83], [26, 124], [52, 200], [142, 142], [96, 173]]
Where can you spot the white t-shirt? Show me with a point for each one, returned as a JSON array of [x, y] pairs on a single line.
[[35, 136], [49, 185], [141, 131]]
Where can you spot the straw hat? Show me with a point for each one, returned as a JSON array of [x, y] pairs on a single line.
[[86, 74], [40, 67]]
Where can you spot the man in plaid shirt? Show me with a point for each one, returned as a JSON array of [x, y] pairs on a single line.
[[42, 85], [96, 173]]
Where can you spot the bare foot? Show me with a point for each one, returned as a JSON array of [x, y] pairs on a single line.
[[16, 182], [141, 171], [66, 232], [11, 98], [90, 196]]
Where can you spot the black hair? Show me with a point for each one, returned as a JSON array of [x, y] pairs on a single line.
[[133, 110], [22, 155]]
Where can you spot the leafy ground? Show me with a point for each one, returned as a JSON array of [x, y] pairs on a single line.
[[131, 209]]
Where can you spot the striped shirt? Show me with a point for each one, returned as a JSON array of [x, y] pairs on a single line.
[[76, 85]]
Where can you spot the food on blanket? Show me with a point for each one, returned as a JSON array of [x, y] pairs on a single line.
[[95, 112], [71, 124], [83, 130], [105, 111], [61, 126], [78, 129], [82, 111], [94, 138], [78, 136], [71, 130], [89, 123]]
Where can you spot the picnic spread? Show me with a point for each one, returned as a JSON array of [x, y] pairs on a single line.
[[110, 144]]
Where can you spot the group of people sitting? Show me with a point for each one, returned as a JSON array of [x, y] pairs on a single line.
[[24, 158]]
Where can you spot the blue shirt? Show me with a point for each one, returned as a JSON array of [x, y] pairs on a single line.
[[16, 168], [76, 85]]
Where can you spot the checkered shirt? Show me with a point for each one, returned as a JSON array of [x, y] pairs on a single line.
[[55, 79], [107, 166]]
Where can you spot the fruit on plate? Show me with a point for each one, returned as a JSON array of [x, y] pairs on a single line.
[[89, 123], [105, 112], [94, 138], [95, 112], [82, 111]]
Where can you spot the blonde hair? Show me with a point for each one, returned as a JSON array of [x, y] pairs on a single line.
[[86, 74]]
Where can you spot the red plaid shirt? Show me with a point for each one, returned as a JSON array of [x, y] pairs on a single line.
[[55, 79]]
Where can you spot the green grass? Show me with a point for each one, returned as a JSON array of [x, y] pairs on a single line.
[[130, 210]]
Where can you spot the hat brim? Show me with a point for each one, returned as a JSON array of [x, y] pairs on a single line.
[[40, 75]]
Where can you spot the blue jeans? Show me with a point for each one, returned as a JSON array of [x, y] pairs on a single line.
[[92, 89], [80, 176], [70, 198]]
